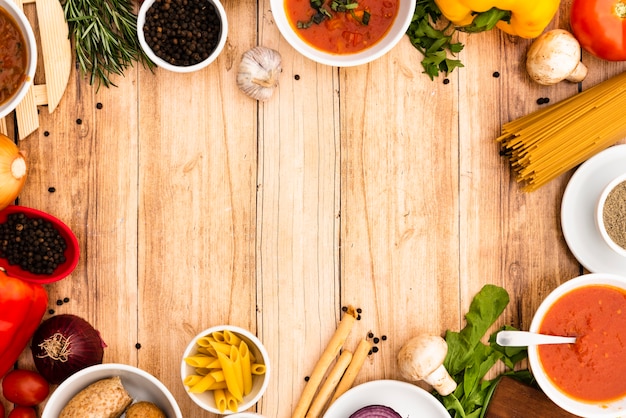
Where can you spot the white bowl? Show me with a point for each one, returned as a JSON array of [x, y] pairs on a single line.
[[599, 215], [394, 35], [259, 383], [140, 385], [612, 409], [405, 398], [141, 19], [31, 50]]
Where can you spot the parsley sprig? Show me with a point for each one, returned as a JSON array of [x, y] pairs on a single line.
[[339, 6], [435, 44]]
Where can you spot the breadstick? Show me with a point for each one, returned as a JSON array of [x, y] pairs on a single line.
[[329, 354], [329, 385], [360, 354]]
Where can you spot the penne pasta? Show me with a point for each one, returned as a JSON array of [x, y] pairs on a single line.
[[223, 364], [231, 338], [201, 360], [246, 367], [257, 369], [231, 402], [203, 384], [232, 382], [220, 399], [192, 380]]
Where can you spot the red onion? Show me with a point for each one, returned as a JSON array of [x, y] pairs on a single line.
[[375, 411], [65, 344]]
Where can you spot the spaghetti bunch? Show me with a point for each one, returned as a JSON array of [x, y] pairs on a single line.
[[547, 143]]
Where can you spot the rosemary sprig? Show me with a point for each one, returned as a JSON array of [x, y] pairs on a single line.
[[104, 34]]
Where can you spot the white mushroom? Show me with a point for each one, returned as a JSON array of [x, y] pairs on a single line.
[[555, 56], [421, 358]]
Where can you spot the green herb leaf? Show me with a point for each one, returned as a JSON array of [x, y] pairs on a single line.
[[469, 360], [104, 34], [433, 43]]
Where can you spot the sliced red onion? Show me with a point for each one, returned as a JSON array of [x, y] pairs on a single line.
[[376, 411]]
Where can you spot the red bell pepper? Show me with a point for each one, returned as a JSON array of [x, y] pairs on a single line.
[[22, 306]]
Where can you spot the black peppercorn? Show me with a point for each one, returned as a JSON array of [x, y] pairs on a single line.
[[33, 244], [182, 33], [52, 189], [137, 346]]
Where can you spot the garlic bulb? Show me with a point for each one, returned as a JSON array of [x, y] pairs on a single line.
[[258, 72], [12, 171]]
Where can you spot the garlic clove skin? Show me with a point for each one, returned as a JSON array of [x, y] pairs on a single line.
[[258, 72]]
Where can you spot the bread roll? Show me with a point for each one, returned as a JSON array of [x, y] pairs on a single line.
[[144, 409], [105, 398]]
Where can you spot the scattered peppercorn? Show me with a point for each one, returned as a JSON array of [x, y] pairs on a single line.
[[384, 338], [52, 189], [59, 302], [376, 340], [79, 121], [344, 308], [297, 77], [446, 81], [358, 317], [495, 74], [65, 300], [306, 378], [46, 133], [359, 310], [369, 353], [34, 244], [370, 335], [375, 349], [543, 100], [182, 32], [98, 105], [51, 311], [137, 346]]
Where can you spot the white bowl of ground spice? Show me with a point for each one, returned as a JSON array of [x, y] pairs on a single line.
[[611, 214], [182, 35]]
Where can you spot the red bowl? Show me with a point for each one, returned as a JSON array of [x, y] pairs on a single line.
[[71, 253]]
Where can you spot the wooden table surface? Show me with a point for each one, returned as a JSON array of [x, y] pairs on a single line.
[[373, 186]]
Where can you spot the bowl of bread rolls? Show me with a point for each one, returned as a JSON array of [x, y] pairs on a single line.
[[111, 390]]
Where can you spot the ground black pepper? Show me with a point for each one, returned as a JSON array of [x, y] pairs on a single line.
[[182, 32], [32, 243], [614, 214]]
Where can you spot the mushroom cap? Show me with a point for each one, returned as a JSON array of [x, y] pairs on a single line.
[[421, 355], [553, 57]]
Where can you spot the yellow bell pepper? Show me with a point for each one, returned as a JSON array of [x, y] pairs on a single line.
[[527, 18]]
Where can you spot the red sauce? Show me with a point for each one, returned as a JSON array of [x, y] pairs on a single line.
[[12, 57], [594, 368], [343, 33]]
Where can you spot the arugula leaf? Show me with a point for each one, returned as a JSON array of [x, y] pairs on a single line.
[[433, 43], [469, 360]]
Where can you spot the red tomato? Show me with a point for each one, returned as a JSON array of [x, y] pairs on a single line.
[[1, 410], [25, 387], [600, 27], [22, 412]]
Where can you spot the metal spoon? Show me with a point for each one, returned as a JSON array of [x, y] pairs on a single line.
[[526, 338]]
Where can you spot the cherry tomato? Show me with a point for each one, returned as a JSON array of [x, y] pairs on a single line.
[[600, 27], [25, 387], [22, 412]]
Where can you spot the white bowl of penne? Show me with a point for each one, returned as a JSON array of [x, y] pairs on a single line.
[[225, 369]]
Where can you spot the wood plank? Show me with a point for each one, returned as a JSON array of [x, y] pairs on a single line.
[[399, 229], [196, 209], [297, 219]]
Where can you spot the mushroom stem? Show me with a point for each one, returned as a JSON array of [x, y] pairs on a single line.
[[441, 381], [579, 73]]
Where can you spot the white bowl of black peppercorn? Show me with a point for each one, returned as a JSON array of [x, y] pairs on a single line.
[[182, 36]]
